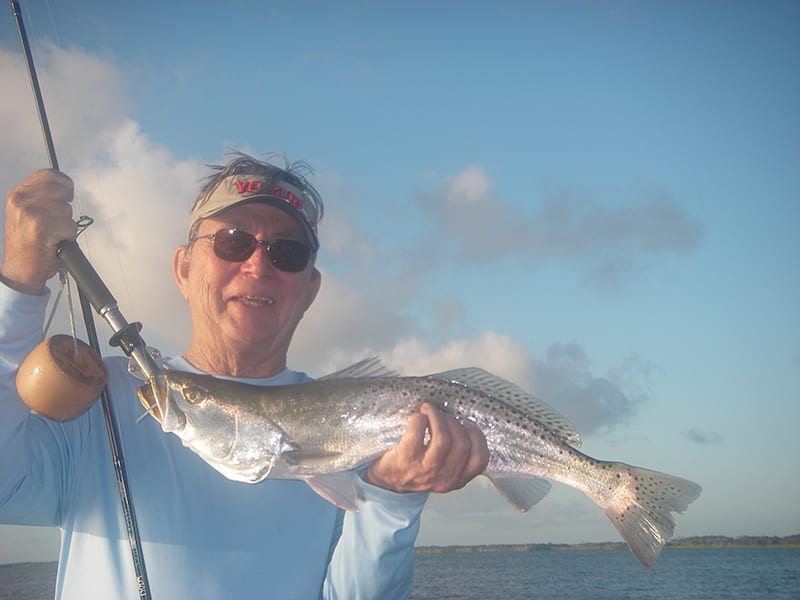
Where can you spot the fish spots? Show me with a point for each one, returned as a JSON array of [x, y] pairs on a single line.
[[338, 423]]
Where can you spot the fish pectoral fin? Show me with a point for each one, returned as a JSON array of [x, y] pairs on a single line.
[[311, 457], [341, 489], [520, 490]]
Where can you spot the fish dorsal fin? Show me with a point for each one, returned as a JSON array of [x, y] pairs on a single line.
[[514, 396], [369, 367]]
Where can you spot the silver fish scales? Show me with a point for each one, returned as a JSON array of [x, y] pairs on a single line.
[[322, 431]]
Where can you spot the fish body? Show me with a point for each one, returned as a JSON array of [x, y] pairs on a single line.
[[324, 430]]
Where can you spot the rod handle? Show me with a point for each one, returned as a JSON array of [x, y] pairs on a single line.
[[89, 282]]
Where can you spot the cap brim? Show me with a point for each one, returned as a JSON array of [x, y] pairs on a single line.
[[277, 203]]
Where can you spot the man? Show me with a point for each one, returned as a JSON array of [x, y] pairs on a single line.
[[248, 275]]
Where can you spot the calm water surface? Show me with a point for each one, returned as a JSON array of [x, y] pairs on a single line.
[[28, 581], [717, 574]]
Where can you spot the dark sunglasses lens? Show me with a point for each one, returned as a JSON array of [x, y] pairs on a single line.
[[234, 245], [289, 255]]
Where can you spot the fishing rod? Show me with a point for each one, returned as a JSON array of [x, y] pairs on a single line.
[[93, 293]]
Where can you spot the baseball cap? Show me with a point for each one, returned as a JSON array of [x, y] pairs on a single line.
[[299, 200]]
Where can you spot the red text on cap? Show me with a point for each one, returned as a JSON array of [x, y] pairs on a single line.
[[254, 187]]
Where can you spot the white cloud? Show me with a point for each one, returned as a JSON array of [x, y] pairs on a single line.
[[607, 240], [83, 96], [565, 377], [140, 196], [470, 186], [702, 437], [497, 353], [343, 326]]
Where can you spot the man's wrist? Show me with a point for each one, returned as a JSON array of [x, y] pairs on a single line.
[[34, 289]]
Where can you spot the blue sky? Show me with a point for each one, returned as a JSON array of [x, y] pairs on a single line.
[[597, 200]]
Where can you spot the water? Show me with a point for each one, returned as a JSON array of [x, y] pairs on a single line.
[[679, 574], [28, 581], [714, 574]]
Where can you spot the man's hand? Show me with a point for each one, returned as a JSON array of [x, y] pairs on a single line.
[[454, 455], [38, 217]]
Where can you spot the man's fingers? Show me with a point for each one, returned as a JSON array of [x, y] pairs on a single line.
[[437, 453], [42, 202], [440, 434], [46, 187], [38, 216], [479, 452], [412, 444], [455, 454]]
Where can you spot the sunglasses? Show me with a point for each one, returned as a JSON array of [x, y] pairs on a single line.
[[235, 245]]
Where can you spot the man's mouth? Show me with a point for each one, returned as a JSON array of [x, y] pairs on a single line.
[[256, 301]]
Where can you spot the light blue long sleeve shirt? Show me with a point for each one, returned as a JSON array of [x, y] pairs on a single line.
[[203, 536]]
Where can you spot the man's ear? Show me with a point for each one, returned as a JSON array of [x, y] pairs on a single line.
[[181, 262], [313, 289]]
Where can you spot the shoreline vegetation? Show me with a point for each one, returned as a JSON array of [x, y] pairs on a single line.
[[697, 542], [704, 541]]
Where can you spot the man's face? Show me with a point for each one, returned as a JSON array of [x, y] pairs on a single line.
[[249, 306]]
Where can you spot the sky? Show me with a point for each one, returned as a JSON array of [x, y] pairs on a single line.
[[599, 201]]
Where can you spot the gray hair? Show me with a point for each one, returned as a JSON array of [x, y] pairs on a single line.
[[292, 172]]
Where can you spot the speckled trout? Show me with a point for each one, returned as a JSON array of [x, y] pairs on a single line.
[[322, 431]]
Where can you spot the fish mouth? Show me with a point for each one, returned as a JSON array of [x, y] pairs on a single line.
[[147, 397], [155, 397]]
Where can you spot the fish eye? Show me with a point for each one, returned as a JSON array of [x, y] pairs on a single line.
[[194, 395]]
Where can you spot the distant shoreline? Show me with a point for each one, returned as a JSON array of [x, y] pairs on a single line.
[[699, 542]]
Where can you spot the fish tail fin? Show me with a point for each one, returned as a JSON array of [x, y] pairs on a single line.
[[641, 508]]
